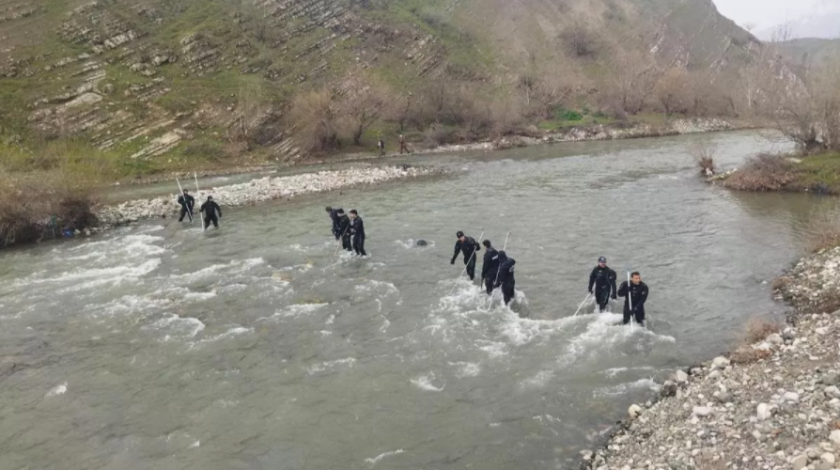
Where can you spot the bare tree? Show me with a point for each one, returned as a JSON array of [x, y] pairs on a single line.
[[633, 80], [805, 107], [313, 119], [674, 91], [363, 104]]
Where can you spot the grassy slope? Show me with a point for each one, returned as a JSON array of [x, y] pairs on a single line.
[[488, 43]]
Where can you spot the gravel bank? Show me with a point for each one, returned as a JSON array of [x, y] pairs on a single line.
[[772, 405], [258, 190]]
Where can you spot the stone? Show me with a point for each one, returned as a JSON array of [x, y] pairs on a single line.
[[702, 411], [792, 397], [834, 437], [723, 397], [824, 466], [763, 412], [634, 411], [775, 339], [669, 389], [421, 243], [828, 457], [720, 363], [680, 377], [800, 462], [832, 392], [831, 379], [821, 331]]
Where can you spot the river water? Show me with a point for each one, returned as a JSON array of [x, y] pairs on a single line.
[[255, 347]]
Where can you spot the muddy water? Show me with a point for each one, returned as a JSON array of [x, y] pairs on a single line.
[[256, 347]]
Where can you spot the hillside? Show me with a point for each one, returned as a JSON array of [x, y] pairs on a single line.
[[814, 51], [163, 83]]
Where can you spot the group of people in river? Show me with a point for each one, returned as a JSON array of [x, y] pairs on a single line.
[[348, 229], [497, 270], [602, 285], [211, 210]]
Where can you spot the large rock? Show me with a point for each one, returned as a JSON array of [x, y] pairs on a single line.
[[720, 363], [680, 377], [702, 411], [775, 339], [834, 437], [800, 462], [634, 411], [763, 412]]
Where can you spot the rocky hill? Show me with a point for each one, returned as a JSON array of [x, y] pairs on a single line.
[[157, 81]]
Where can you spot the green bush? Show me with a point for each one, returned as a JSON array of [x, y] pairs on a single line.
[[569, 115]]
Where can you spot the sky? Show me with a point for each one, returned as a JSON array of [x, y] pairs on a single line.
[[768, 13]]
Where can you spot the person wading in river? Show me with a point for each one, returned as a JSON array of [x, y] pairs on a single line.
[[187, 203], [336, 221], [469, 247], [635, 294], [344, 230], [603, 280], [490, 266], [357, 232], [505, 278], [212, 213]]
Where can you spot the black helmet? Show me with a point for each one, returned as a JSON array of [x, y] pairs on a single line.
[[459, 234]]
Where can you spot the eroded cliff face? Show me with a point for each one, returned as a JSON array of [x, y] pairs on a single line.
[[145, 77]]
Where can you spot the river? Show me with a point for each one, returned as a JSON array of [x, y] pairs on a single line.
[[255, 347]]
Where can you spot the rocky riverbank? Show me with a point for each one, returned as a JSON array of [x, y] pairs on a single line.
[[772, 405], [258, 190]]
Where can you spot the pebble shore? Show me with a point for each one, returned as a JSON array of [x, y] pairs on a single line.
[[258, 190], [779, 410]]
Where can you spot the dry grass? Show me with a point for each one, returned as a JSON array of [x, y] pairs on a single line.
[[758, 329], [825, 235], [829, 302], [763, 172]]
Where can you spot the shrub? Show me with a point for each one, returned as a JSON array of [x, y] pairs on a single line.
[[824, 235], [568, 115], [704, 153], [763, 172], [36, 206]]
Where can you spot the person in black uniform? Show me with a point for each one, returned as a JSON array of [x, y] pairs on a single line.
[[636, 293], [506, 279], [212, 212], [335, 216], [357, 233], [187, 203], [469, 247], [344, 231], [490, 267], [603, 280]]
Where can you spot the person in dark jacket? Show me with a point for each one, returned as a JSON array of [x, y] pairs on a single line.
[[381, 146], [212, 213], [505, 278], [469, 247], [335, 216], [490, 267], [344, 231], [187, 203], [357, 233], [603, 280], [635, 295]]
